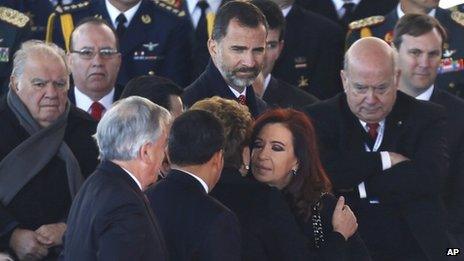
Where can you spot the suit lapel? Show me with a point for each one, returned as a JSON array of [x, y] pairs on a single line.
[[394, 124], [136, 29], [356, 136]]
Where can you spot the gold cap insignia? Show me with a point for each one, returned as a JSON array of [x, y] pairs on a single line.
[[369, 21], [146, 19], [13, 17]]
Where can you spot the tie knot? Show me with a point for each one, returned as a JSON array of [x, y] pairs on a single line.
[[203, 5], [96, 110], [121, 19], [241, 99]]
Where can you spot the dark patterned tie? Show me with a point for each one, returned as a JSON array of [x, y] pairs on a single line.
[[349, 7], [201, 31], [372, 130], [241, 99], [96, 110], [121, 28]]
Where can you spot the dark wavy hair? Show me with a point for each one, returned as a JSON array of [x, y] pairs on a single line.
[[310, 181]]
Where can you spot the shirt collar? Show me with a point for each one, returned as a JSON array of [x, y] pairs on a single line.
[[339, 3], [381, 124], [114, 12], [84, 102], [286, 10], [400, 12], [425, 96], [133, 177], [202, 182], [213, 5], [266, 82], [236, 93]]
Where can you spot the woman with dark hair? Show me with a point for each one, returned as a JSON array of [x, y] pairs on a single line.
[[269, 230], [285, 156]]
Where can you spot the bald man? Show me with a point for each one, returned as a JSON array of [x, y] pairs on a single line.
[[385, 152]]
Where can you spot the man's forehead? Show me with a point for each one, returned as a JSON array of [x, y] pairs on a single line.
[[85, 35]]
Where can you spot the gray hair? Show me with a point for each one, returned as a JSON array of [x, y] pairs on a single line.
[[128, 125], [34, 47]]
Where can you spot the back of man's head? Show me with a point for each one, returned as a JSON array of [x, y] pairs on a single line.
[[245, 13], [194, 138], [128, 125], [416, 25], [273, 14]]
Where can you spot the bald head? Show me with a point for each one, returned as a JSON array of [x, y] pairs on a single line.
[[370, 79]]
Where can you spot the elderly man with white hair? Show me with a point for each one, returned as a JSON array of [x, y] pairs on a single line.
[[110, 218], [46, 150]]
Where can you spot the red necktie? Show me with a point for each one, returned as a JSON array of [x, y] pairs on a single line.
[[241, 99], [372, 130], [96, 110]]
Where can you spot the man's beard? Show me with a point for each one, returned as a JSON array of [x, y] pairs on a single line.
[[235, 81]]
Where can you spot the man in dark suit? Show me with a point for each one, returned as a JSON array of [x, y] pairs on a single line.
[[275, 92], [450, 76], [386, 152], [419, 41], [45, 153], [345, 11], [110, 218], [94, 61], [237, 52], [14, 29], [195, 226], [154, 37], [312, 56]]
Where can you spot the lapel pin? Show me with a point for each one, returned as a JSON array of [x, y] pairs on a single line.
[[146, 19]]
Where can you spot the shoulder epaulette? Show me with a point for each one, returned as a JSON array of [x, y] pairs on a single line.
[[172, 9], [365, 22], [72, 7], [458, 17], [13, 17]]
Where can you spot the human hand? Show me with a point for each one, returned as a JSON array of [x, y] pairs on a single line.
[[53, 233], [396, 158], [27, 244], [343, 219]]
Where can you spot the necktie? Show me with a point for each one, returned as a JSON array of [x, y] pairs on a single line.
[[241, 99], [121, 28], [372, 130], [348, 6], [96, 110], [201, 32]]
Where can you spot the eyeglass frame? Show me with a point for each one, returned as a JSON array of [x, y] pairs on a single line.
[[102, 52]]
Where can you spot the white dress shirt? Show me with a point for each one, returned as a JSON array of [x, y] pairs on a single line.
[[114, 12], [84, 102], [236, 93], [133, 177], [425, 96]]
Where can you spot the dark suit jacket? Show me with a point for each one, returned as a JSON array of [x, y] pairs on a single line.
[[312, 57], [281, 94], [111, 220], [454, 185], [409, 191], [195, 225], [269, 230], [365, 8], [210, 83]]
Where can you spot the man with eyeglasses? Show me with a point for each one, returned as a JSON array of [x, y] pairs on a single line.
[[94, 61], [155, 38], [386, 153], [46, 151]]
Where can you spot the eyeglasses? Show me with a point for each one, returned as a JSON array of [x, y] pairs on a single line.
[[89, 53]]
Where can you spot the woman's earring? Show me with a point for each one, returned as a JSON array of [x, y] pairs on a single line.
[[293, 172], [246, 166]]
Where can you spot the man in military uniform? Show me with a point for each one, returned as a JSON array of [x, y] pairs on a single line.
[[154, 37], [450, 75], [14, 29], [37, 11], [313, 51]]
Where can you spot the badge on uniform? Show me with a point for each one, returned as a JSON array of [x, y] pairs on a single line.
[[146, 19], [300, 62], [147, 55], [303, 82], [448, 63], [4, 54]]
